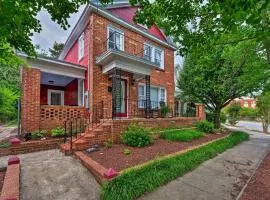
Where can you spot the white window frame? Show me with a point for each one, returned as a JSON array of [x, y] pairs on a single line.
[[81, 47], [79, 95], [153, 54], [122, 36], [61, 92], [152, 86]]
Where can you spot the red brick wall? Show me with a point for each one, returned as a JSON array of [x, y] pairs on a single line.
[[30, 102], [99, 82]]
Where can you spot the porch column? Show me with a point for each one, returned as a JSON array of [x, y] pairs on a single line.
[[116, 90], [147, 95], [30, 100]]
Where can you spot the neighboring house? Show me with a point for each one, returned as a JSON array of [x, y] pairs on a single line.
[[246, 102], [110, 68]]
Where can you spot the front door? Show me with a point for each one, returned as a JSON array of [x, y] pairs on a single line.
[[121, 100]]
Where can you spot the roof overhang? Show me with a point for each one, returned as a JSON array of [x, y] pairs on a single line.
[[84, 19], [55, 66], [119, 59]]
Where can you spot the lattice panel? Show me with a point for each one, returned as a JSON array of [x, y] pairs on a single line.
[[61, 113]]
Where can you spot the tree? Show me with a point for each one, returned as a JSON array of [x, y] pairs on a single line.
[[196, 23], [19, 21], [216, 76], [234, 113], [56, 49], [263, 105]]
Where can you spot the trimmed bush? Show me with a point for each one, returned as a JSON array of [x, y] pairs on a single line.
[[136, 136], [181, 135], [57, 132], [164, 110], [205, 126], [234, 113]]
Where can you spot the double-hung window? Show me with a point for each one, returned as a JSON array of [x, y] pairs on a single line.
[[81, 47], [115, 39], [154, 54], [157, 96]]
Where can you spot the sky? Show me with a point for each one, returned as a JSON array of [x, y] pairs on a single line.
[[52, 32]]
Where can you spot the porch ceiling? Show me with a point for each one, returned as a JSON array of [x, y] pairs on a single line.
[[53, 79], [126, 62]]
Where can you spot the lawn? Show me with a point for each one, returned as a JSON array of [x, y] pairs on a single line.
[[137, 181], [185, 135]]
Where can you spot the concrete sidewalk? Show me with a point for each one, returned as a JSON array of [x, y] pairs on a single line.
[[220, 178]]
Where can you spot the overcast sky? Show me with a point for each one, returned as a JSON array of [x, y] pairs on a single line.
[[52, 32]]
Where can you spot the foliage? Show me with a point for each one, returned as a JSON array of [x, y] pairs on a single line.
[[136, 136], [127, 151], [108, 144], [217, 75], [19, 20], [57, 132], [5, 145], [56, 49], [248, 113], [234, 112], [196, 24], [164, 110], [8, 104], [38, 134], [138, 181], [263, 105], [205, 126], [185, 135]]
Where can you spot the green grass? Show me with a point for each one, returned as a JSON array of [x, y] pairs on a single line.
[[186, 135], [4, 145], [135, 182]]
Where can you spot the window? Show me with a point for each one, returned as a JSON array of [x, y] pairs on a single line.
[[147, 52], [115, 39], [55, 97], [154, 54], [157, 96], [81, 47]]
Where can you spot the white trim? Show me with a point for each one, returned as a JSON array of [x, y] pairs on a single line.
[[153, 54], [79, 95], [56, 91]]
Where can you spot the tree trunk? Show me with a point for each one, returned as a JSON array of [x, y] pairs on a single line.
[[217, 118], [265, 127]]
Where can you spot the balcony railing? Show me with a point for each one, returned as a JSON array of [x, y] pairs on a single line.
[[119, 42]]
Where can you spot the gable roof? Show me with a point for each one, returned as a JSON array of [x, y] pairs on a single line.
[[116, 14]]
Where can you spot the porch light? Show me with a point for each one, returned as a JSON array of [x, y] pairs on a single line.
[[51, 82]]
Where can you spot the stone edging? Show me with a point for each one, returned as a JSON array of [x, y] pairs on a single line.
[[11, 186]]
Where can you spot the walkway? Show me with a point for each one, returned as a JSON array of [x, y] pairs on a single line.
[[49, 175], [249, 125], [7, 132], [220, 178]]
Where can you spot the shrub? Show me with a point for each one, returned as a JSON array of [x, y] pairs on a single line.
[[234, 113], [38, 134], [57, 132], [186, 135], [136, 136], [108, 144], [8, 105], [127, 152], [210, 116], [249, 113], [164, 110], [5, 145], [205, 126]]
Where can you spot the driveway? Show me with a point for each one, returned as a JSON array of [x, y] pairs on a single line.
[[49, 175], [222, 177], [249, 125]]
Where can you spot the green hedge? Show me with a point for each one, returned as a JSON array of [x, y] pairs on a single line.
[[181, 135], [133, 183]]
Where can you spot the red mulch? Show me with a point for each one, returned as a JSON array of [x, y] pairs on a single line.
[[259, 186], [115, 158], [2, 177]]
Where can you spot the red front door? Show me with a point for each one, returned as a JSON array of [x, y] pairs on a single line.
[[121, 101]]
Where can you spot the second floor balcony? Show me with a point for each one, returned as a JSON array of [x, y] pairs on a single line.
[[128, 53]]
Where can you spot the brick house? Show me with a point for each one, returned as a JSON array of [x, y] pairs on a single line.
[[110, 68]]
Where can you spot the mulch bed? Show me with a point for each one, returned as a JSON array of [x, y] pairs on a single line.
[[115, 158], [2, 177], [259, 186]]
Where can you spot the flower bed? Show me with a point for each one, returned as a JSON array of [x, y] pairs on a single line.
[[115, 158]]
